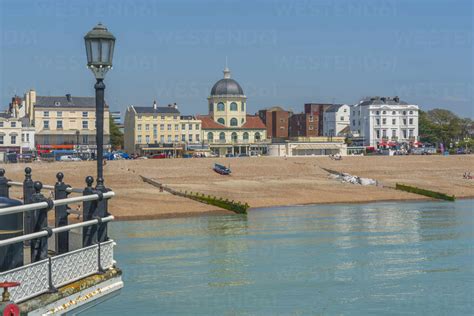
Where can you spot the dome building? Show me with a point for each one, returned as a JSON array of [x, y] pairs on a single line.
[[227, 128]]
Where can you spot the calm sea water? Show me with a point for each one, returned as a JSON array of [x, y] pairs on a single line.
[[382, 258]]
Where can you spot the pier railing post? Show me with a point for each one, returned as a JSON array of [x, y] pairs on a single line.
[[39, 246], [61, 214], [101, 212], [89, 233], [4, 187], [28, 191]]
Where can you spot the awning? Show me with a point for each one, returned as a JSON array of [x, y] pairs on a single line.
[[316, 146]]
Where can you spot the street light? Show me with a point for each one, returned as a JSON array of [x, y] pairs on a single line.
[[100, 49]]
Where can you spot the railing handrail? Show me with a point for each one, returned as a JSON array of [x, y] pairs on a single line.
[[46, 186], [55, 230], [42, 205]]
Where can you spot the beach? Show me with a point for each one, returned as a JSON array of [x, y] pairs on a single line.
[[260, 181]]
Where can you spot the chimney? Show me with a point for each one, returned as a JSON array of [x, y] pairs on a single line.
[[175, 105], [68, 97], [396, 99], [155, 106]]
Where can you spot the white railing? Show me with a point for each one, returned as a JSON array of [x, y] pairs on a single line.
[[45, 275]]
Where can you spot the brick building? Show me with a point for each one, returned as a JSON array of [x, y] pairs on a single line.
[[276, 120]]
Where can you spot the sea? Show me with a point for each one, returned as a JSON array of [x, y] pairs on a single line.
[[392, 258]]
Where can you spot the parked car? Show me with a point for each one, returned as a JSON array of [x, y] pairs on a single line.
[[243, 155], [158, 156], [229, 155], [69, 158]]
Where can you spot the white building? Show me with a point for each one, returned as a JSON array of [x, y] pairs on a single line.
[[336, 120], [378, 121], [16, 135]]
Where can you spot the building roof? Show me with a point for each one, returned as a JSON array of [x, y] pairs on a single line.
[[252, 122], [66, 101], [382, 101], [227, 86], [158, 110], [5, 115], [334, 108]]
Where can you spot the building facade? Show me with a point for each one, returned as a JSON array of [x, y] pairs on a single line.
[[227, 128], [154, 129], [16, 135], [276, 120], [116, 116], [381, 121], [336, 120], [67, 120]]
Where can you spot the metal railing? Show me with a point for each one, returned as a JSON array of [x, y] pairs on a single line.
[[25, 227]]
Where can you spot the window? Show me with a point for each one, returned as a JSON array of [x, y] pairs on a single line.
[[85, 114], [310, 127], [176, 127], [183, 138], [311, 118], [394, 113], [183, 126], [384, 112], [210, 137], [139, 127], [384, 133], [404, 121], [13, 139], [404, 112], [197, 137], [139, 139], [162, 117], [233, 121], [246, 137], [190, 126], [175, 117], [169, 127], [147, 139], [162, 138], [59, 124], [342, 118], [169, 138], [384, 121], [220, 106], [354, 122], [1, 124], [394, 121], [377, 121], [85, 124], [197, 127], [46, 113], [222, 136], [22, 137], [27, 137], [394, 133], [233, 106], [59, 114], [147, 127], [85, 139], [411, 133], [377, 112], [162, 127], [221, 121], [345, 110], [190, 137], [411, 121], [176, 138], [404, 133], [1, 140], [377, 131], [46, 124], [13, 124], [234, 137], [411, 112], [257, 136], [155, 130]]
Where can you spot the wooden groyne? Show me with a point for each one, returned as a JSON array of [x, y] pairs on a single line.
[[428, 193], [237, 207]]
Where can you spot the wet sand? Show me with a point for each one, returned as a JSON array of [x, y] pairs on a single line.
[[261, 181]]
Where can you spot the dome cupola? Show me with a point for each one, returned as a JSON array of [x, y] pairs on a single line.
[[227, 86]]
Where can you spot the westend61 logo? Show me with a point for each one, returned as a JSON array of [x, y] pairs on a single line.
[[375, 8]]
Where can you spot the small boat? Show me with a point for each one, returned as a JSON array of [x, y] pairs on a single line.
[[220, 169]]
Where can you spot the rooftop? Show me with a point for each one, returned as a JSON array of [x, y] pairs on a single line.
[[67, 101], [158, 109], [383, 101]]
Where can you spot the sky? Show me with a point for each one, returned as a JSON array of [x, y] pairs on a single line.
[[283, 53]]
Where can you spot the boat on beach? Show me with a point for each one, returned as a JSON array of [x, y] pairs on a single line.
[[221, 169]]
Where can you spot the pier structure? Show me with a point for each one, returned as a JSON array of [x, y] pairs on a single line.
[[53, 259]]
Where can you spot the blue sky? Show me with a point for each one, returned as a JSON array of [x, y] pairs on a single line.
[[281, 52]]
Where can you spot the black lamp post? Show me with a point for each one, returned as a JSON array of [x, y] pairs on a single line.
[[100, 50]]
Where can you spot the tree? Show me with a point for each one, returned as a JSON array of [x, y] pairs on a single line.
[[440, 126], [116, 136]]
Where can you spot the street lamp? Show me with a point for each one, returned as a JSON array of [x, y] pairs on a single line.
[[100, 49]]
